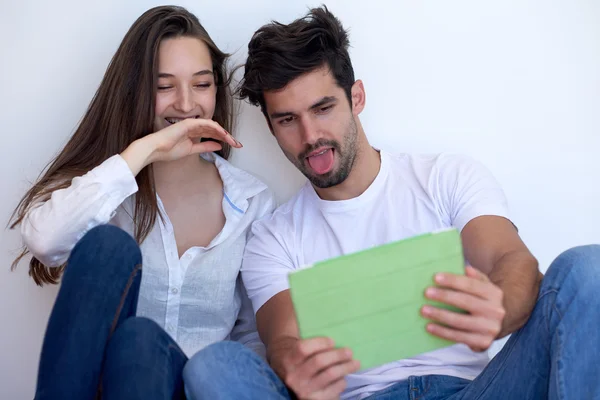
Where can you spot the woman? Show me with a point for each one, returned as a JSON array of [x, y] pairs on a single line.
[[132, 168]]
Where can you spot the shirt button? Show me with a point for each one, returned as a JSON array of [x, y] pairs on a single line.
[[170, 328], [174, 290], [187, 256]]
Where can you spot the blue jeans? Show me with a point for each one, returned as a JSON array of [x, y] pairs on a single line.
[[94, 345], [554, 356]]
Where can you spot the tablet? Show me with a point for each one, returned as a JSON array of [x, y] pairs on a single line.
[[370, 301]]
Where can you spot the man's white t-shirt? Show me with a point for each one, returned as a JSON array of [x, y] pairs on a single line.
[[411, 195]]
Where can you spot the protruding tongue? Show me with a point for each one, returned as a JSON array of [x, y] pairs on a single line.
[[322, 163]]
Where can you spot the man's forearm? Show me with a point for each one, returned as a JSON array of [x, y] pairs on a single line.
[[276, 323], [518, 276], [277, 349]]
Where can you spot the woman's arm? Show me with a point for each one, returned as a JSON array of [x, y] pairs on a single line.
[[51, 229]]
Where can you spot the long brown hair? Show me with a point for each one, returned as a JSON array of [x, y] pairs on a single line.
[[121, 112]]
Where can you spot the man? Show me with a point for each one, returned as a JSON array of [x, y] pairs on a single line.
[[357, 197]]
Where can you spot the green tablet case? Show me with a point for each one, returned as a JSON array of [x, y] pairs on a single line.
[[370, 301]]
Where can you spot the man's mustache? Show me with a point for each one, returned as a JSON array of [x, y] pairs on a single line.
[[319, 143]]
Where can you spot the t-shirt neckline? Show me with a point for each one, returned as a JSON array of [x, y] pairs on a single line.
[[369, 194]]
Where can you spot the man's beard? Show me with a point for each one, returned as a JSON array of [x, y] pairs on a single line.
[[346, 152]]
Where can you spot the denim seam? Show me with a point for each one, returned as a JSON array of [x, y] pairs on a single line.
[[132, 276], [425, 390], [559, 382], [123, 297], [547, 317], [262, 370], [240, 358], [500, 367], [554, 291], [177, 349], [269, 379]]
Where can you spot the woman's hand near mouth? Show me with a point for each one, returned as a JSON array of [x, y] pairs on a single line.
[[176, 141]]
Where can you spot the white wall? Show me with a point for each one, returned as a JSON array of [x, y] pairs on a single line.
[[514, 83]]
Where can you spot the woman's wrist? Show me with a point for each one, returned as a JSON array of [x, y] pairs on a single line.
[[139, 154]]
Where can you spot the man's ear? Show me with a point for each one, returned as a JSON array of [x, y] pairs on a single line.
[[359, 97]]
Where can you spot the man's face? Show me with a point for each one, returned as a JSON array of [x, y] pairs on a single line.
[[314, 125]]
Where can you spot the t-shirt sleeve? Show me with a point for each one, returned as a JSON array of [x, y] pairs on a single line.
[[466, 190], [267, 262]]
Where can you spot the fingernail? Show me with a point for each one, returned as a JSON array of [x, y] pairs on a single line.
[[430, 328], [431, 292], [440, 278], [348, 353], [427, 310]]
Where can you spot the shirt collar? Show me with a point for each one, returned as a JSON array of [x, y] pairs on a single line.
[[238, 185]]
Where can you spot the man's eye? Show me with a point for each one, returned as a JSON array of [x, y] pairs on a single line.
[[286, 121]]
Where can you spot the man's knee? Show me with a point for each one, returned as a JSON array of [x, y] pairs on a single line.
[[579, 264], [213, 368], [213, 358]]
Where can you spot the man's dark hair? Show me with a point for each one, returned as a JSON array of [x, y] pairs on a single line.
[[278, 54]]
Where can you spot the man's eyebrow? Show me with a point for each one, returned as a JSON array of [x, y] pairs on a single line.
[[281, 114], [320, 103], [323, 101]]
